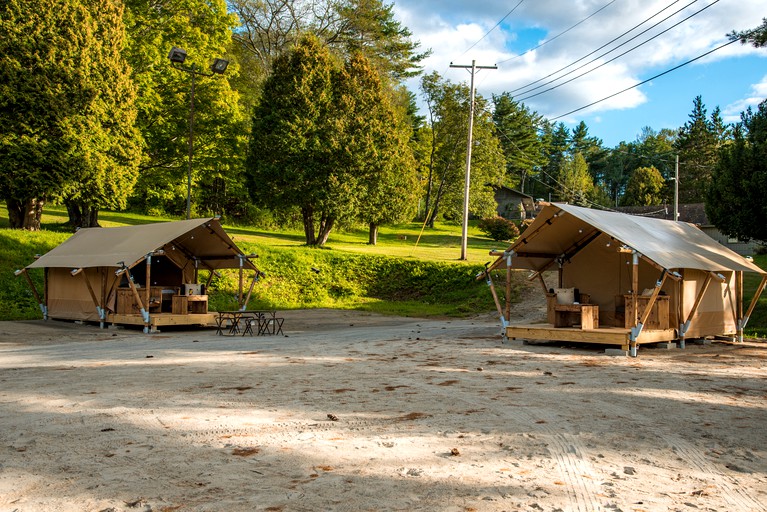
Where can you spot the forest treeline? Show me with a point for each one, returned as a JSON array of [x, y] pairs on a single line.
[[312, 124]]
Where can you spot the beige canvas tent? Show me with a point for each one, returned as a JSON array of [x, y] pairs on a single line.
[[627, 280], [144, 275]]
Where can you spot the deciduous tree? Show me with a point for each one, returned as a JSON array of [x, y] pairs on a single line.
[[645, 188]]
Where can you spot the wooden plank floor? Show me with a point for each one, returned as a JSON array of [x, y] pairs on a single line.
[[160, 319], [604, 335]]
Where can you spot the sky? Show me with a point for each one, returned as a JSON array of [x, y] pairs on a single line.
[[538, 45]]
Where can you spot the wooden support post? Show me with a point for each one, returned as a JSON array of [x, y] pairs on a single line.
[[498, 307], [543, 283], [752, 305], [739, 304], [653, 298], [96, 302], [148, 281], [250, 290], [30, 283], [43, 307], [508, 286], [137, 298], [698, 300], [239, 295]]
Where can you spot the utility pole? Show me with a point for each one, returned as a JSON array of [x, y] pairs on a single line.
[[465, 229], [676, 189]]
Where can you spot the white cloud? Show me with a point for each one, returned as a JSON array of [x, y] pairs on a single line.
[[731, 113], [449, 27]]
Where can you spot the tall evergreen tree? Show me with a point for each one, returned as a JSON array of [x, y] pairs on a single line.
[[518, 129], [373, 146], [66, 108], [735, 199], [290, 162], [697, 145]]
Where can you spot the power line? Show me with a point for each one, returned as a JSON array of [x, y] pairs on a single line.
[[560, 34], [614, 58], [644, 81], [494, 27], [606, 44]]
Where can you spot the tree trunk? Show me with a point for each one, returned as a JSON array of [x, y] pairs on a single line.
[[373, 234], [82, 216], [25, 214], [435, 209], [307, 213], [326, 224]]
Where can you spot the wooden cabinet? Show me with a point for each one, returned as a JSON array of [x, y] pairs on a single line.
[[659, 314], [190, 304], [159, 300], [584, 315]]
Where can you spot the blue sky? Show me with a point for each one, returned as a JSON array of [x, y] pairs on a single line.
[[499, 31]]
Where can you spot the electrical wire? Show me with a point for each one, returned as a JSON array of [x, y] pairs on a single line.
[[494, 27], [560, 34], [607, 44], [644, 81], [613, 59]]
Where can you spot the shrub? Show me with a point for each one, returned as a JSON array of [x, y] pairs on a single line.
[[499, 229]]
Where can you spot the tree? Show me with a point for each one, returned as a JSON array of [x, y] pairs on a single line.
[[755, 36], [697, 145], [644, 188], [448, 110], [204, 30], [556, 147], [347, 26], [517, 128], [374, 146], [66, 109], [291, 161], [575, 180], [735, 198]]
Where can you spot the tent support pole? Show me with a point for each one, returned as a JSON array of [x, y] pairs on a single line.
[[686, 325], [137, 298], [739, 303], [99, 309], [742, 323], [250, 290], [489, 281], [148, 281], [637, 329], [508, 285], [31, 285], [239, 294]]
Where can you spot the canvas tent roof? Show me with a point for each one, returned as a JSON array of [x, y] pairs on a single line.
[[203, 239], [672, 245]]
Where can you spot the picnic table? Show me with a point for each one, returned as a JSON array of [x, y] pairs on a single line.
[[247, 321]]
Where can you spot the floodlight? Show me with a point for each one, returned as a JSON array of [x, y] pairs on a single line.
[[219, 66], [177, 55]]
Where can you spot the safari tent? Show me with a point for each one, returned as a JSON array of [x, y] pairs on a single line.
[[141, 275], [626, 280]]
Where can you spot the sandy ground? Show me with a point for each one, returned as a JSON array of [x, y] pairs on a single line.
[[354, 412]]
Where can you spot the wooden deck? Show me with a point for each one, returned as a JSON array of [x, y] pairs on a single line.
[[603, 335], [161, 319]]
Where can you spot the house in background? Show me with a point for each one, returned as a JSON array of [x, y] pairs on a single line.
[[513, 204], [694, 213]]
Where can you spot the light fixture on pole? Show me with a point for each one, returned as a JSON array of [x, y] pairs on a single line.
[[177, 58]]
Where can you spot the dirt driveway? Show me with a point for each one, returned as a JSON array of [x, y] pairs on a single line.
[[353, 412]]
